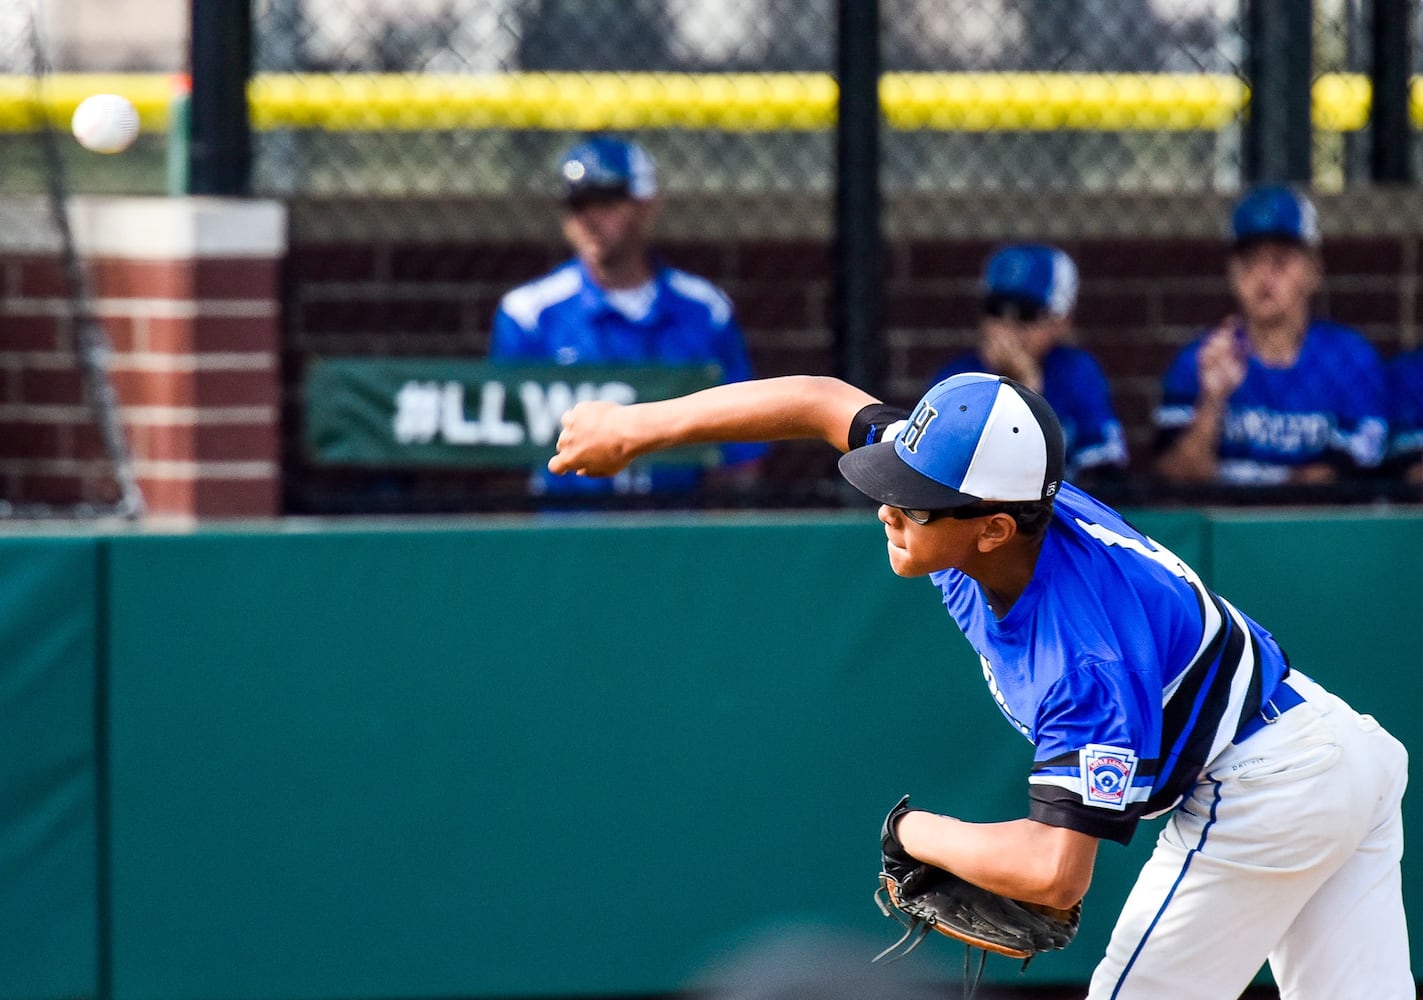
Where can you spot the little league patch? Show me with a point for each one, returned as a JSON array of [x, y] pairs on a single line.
[[1107, 773]]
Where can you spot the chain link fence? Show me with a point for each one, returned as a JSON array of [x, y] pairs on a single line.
[[417, 144], [458, 97], [410, 106], [62, 447], [452, 98]]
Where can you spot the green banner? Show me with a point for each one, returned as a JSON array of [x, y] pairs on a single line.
[[382, 412]]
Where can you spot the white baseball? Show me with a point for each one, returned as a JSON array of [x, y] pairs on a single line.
[[105, 123]]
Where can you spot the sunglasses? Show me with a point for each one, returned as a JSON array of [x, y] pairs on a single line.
[[1013, 310], [965, 513]]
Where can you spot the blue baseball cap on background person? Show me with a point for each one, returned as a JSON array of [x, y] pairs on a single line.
[[604, 167], [1274, 212], [1025, 280], [972, 437]]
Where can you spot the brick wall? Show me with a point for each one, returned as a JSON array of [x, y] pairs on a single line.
[[49, 445], [187, 292], [353, 290]]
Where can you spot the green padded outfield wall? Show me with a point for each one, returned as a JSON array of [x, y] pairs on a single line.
[[466, 760], [473, 761], [49, 906]]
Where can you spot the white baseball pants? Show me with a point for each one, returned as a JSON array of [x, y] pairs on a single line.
[[1287, 850]]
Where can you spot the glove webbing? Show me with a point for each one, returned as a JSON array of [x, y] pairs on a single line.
[[918, 928]]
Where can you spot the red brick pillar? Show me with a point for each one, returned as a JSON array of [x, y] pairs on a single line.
[[189, 291]]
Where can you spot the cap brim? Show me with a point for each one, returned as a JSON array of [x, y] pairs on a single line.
[[593, 193], [1255, 239], [877, 471]]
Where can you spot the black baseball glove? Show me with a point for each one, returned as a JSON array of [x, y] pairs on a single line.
[[925, 898]]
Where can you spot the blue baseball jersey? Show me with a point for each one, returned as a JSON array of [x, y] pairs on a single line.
[[565, 318], [1405, 392], [1076, 389], [1125, 672], [1330, 404]]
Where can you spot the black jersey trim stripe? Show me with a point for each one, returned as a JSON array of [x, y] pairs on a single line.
[[1056, 806], [1247, 675], [1072, 760], [1184, 703], [1212, 620], [1192, 721]]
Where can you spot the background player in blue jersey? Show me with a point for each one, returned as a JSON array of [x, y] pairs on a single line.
[[1141, 691], [1273, 395], [615, 304], [1029, 293], [1405, 392]]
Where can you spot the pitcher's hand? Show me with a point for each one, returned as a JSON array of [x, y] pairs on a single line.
[[596, 440]]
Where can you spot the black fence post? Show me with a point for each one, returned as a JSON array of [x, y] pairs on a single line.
[[1391, 38], [220, 136], [1279, 135], [858, 246]]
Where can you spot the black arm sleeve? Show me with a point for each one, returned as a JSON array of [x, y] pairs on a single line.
[[870, 423], [1054, 807]]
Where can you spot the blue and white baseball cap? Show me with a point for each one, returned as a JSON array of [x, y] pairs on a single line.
[[1275, 212], [1042, 278], [608, 167], [972, 437]]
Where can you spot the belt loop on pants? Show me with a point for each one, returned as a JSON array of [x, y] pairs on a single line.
[[1281, 701]]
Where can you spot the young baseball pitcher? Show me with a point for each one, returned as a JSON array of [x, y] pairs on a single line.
[[1142, 692]]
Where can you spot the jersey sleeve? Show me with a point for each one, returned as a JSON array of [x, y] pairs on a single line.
[[1179, 388], [1095, 762]]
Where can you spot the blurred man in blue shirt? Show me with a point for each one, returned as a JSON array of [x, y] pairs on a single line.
[[1273, 395], [616, 304]]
